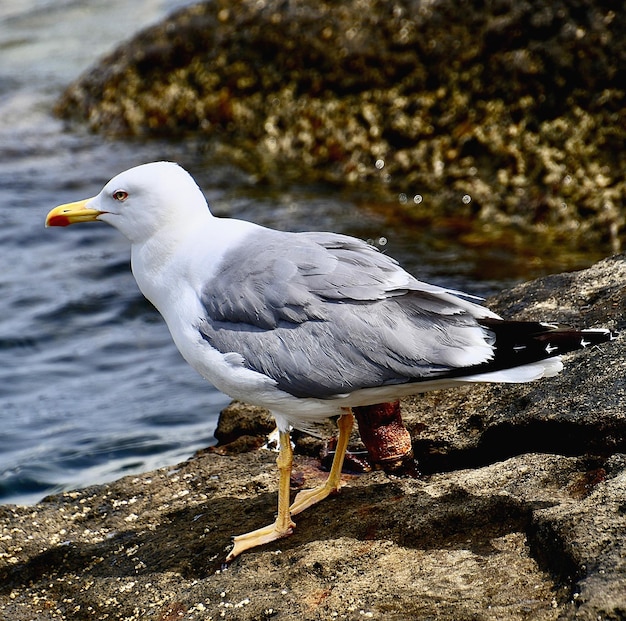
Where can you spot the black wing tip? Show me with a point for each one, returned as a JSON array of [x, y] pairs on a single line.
[[558, 340], [519, 342], [598, 335]]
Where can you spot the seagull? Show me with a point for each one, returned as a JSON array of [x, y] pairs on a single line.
[[307, 325]]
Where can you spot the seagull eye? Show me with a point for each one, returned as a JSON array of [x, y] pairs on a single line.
[[120, 195]]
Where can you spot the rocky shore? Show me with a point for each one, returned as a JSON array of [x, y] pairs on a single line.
[[506, 116], [520, 512]]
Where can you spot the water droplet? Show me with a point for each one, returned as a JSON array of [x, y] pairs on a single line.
[[402, 198], [467, 199], [380, 164], [417, 199]]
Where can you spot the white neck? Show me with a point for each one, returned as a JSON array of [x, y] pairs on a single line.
[[163, 263]]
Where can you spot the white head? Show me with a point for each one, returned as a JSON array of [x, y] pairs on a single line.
[[140, 202]]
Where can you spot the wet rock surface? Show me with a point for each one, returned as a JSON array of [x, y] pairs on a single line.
[[503, 114], [521, 512]]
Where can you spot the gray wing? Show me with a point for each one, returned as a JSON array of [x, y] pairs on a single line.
[[325, 314]]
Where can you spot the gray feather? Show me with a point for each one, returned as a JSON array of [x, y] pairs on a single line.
[[323, 314]]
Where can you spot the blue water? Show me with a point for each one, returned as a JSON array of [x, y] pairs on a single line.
[[91, 386]]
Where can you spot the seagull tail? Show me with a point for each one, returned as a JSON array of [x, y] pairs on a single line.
[[531, 345], [535, 340], [526, 351]]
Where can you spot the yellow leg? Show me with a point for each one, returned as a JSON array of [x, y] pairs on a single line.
[[309, 497], [282, 526]]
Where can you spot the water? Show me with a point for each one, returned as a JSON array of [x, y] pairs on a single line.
[[91, 386]]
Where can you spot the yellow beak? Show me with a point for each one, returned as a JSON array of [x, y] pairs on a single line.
[[70, 213]]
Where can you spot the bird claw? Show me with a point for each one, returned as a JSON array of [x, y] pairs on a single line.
[[309, 497], [259, 537]]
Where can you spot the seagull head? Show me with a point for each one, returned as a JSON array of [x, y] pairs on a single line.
[[139, 202]]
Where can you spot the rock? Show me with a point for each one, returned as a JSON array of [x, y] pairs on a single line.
[[522, 514], [237, 422], [505, 114], [579, 411]]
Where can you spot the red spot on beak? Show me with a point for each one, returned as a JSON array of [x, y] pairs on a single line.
[[58, 220]]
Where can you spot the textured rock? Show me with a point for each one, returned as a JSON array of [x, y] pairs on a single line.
[[506, 113], [580, 411], [522, 514]]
